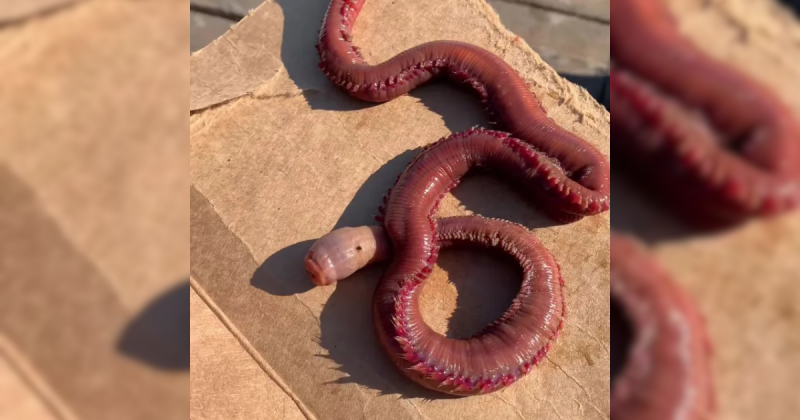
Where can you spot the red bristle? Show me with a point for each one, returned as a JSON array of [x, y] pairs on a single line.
[[526, 367], [439, 376], [508, 380], [448, 380]]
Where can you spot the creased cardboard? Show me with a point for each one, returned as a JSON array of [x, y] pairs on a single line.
[[223, 371], [239, 61], [72, 339], [93, 210], [284, 157]]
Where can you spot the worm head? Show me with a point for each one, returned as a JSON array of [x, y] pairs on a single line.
[[344, 251]]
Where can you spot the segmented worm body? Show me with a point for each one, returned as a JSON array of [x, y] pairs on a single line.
[[716, 145], [559, 172], [507, 349], [660, 363], [505, 94]]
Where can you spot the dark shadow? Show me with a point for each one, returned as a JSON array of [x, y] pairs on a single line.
[[596, 85], [283, 273], [219, 11], [334, 100], [648, 214], [364, 206], [302, 20], [794, 5], [159, 335], [487, 283], [621, 339], [637, 213], [348, 337], [459, 107], [606, 98], [503, 201]]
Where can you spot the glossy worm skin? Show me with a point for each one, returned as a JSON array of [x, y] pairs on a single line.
[[562, 174], [508, 348], [716, 145], [344, 251], [666, 373], [503, 91]]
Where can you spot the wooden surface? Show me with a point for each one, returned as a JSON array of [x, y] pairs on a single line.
[[572, 36]]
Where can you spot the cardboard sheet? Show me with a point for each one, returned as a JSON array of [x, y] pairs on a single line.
[[279, 157], [15, 11], [221, 367], [745, 280], [93, 212]]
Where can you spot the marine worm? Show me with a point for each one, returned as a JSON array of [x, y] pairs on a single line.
[[660, 351], [505, 94], [508, 348], [714, 144], [561, 173]]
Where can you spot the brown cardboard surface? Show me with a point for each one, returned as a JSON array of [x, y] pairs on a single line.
[[280, 157], [223, 372], [17, 10], [239, 61], [22, 393], [745, 281], [73, 338], [86, 124], [93, 177]]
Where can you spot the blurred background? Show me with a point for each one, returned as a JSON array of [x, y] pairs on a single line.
[[741, 277], [94, 227]]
